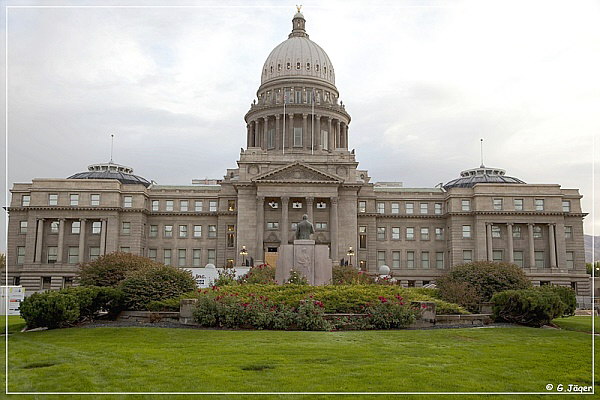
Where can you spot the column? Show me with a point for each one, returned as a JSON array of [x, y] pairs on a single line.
[[309, 208], [342, 135], [509, 233], [291, 132], [277, 131], [552, 245], [103, 238], [255, 133], [338, 134], [490, 253], [260, 226], [61, 240], [82, 240], [318, 144], [331, 143], [249, 136], [284, 224], [333, 220], [305, 135], [346, 136], [531, 246], [265, 132], [39, 241]]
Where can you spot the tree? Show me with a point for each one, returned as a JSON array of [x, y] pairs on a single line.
[[589, 267], [111, 269]]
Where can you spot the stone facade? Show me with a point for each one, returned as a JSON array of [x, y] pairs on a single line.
[[296, 161]]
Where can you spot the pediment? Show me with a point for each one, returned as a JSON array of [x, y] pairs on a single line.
[[297, 173]]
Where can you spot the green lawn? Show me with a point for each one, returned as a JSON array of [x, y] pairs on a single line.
[[578, 323], [155, 359]]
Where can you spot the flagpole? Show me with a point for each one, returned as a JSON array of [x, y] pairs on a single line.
[[284, 99], [312, 131]]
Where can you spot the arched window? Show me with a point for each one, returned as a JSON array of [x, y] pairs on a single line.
[[317, 67], [308, 66], [289, 65], [271, 69], [278, 67], [298, 65]]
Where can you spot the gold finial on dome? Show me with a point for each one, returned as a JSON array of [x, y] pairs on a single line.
[[298, 7]]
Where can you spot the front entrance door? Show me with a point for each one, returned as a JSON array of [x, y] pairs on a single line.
[[271, 256]]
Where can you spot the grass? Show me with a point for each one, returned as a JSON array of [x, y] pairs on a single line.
[[162, 360], [578, 323]]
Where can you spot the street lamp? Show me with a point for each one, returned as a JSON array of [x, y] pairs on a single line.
[[350, 254], [244, 253]]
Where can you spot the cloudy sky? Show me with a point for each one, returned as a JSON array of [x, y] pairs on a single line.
[[423, 82]]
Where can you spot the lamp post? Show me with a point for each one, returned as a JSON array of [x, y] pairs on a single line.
[[350, 254], [244, 253]]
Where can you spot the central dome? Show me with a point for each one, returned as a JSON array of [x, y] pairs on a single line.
[[298, 56]]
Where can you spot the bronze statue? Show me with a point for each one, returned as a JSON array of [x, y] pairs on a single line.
[[304, 229]]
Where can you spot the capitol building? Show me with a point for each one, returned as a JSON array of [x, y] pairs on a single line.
[[296, 161]]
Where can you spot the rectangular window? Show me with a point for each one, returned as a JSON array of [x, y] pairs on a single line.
[[537, 232], [212, 231], [211, 255], [381, 208], [20, 255], [271, 138], [516, 232], [52, 199], [409, 208], [570, 259], [298, 98], [568, 232], [381, 233], [197, 231], [498, 204], [67, 282], [23, 227], [410, 233], [94, 253], [425, 259], [230, 205], [395, 259], [424, 233], [212, 206], [153, 231], [155, 205], [518, 258], [169, 205], [230, 240], [321, 205], [497, 255], [196, 258], [495, 231], [467, 256], [96, 227], [75, 227], [52, 254], [182, 258], [125, 249], [168, 232], [437, 208], [439, 233], [152, 254], [127, 201], [167, 256], [539, 204], [566, 205], [465, 205], [73, 255], [518, 204], [294, 225], [362, 237], [410, 259], [424, 208], [183, 231], [362, 206], [95, 200], [183, 205], [46, 282], [126, 228], [297, 137], [466, 231], [54, 226], [380, 258], [198, 205], [25, 200], [439, 259], [396, 233], [539, 259], [395, 208], [321, 226], [74, 199]]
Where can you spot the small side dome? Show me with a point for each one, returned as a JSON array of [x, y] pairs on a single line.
[[471, 177], [111, 170]]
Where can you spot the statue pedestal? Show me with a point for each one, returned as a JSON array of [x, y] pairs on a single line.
[[307, 258]]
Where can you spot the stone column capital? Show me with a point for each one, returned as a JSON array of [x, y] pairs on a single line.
[[304, 116], [277, 117], [285, 199], [334, 200], [265, 118], [510, 223], [291, 116], [310, 199], [260, 199]]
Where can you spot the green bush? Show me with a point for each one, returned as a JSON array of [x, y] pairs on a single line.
[[390, 313], [152, 284], [474, 283], [567, 296], [111, 269], [296, 278], [50, 309], [531, 307], [226, 277], [93, 299], [348, 275], [310, 316], [263, 273]]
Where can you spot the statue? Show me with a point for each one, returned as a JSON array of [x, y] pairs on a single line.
[[304, 229]]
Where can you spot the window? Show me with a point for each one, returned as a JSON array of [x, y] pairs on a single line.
[[539, 204], [381, 233], [410, 259], [21, 255], [74, 199], [182, 257], [516, 232], [152, 254], [52, 254], [297, 137], [380, 258], [497, 255], [566, 205], [196, 257], [396, 233], [395, 259], [568, 232], [518, 258], [211, 255], [362, 206], [25, 200], [296, 204], [198, 205], [424, 208], [183, 205], [212, 206], [539, 259], [271, 138], [409, 208], [425, 259], [410, 233], [439, 259], [321, 205], [439, 233], [325, 140], [212, 231], [94, 253], [230, 236], [495, 231], [75, 227], [518, 204], [125, 249], [437, 208], [167, 256], [168, 232], [424, 233], [127, 202], [467, 256], [126, 228], [498, 204], [52, 199], [155, 205], [94, 199], [362, 237], [537, 232], [23, 227], [169, 205], [298, 98], [321, 226], [46, 282], [73, 255], [465, 205], [54, 226], [570, 260], [230, 205], [395, 208], [381, 208], [294, 226], [183, 231], [153, 231], [466, 231]]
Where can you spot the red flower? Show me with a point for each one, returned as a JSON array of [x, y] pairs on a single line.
[[382, 299], [245, 304], [423, 305]]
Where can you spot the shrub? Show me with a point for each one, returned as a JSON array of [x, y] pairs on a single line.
[[50, 309], [93, 299], [296, 278], [310, 316], [390, 313], [532, 307], [226, 277], [567, 296], [348, 275], [111, 269], [158, 283], [478, 282], [263, 273]]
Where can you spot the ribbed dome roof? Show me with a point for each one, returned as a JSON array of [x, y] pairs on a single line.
[[471, 177], [111, 171], [298, 56]]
